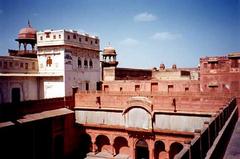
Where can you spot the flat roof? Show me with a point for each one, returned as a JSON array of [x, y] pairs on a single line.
[[29, 75]]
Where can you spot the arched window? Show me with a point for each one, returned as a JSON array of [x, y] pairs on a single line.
[[79, 63], [85, 63], [90, 64]]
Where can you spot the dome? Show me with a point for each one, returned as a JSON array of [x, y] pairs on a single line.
[[27, 33], [162, 66], [109, 51]]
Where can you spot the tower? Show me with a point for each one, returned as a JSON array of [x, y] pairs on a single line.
[[26, 36], [109, 57]]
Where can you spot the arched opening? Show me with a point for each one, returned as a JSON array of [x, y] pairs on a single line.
[[85, 145], [175, 148], [119, 144], [159, 150], [142, 150], [16, 95], [102, 141]]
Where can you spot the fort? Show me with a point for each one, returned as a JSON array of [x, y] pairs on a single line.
[[63, 100]]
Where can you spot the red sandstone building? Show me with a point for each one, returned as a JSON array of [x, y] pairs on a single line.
[[154, 113]]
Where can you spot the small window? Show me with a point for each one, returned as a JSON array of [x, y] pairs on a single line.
[[137, 88], [90, 64], [33, 65], [80, 39], [106, 88], [10, 64], [0, 63], [68, 37], [79, 63], [74, 36], [170, 88], [21, 65], [54, 36], [26, 65], [205, 65], [96, 41], [41, 38], [86, 38], [59, 36], [85, 63], [47, 35], [234, 63], [186, 89], [91, 42], [120, 89], [49, 61], [5, 64]]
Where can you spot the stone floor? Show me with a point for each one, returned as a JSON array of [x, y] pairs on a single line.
[[233, 148]]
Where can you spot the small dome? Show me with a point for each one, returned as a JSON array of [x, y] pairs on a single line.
[[27, 33], [174, 66], [162, 66], [109, 51]]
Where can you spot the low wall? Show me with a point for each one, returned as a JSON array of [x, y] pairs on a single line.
[[12, 111], [209, 142]]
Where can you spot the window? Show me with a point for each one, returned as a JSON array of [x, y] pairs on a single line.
[[86, 38], [41, 38], [80, 39], [21, 65], [5, 64], [68, 37], [85, 63], [74, 36], [186, 89], [234, 63], [205, 65], [79, 63], [0, 63], [170, 88], [10, 64], [47, 35], [49, 61], [96, 41], [87, 86], [54, 36], [59, 36], [91, 42], [90, 64], [33, 66], [137, 88], [26, 65], [106, 88], [120, 89]]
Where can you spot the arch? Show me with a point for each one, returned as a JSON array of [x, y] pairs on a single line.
[[175, 148], [85, 63], [139, 101], [79, 63], [159, 149], [141, 149], [138, 117], [101, 141], [119, 144], [85, 145], [90, 63]]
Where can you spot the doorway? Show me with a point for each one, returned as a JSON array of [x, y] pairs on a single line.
[[16, 95], [142, 150]]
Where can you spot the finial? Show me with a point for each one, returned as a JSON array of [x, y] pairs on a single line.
[[29, 25], [109, 44]]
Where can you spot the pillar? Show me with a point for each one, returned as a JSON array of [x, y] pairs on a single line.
[[151, 149]]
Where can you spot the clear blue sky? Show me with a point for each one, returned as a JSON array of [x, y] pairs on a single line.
[[145, 33]]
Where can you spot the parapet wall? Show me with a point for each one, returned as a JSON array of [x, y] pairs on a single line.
[[210, 142]]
